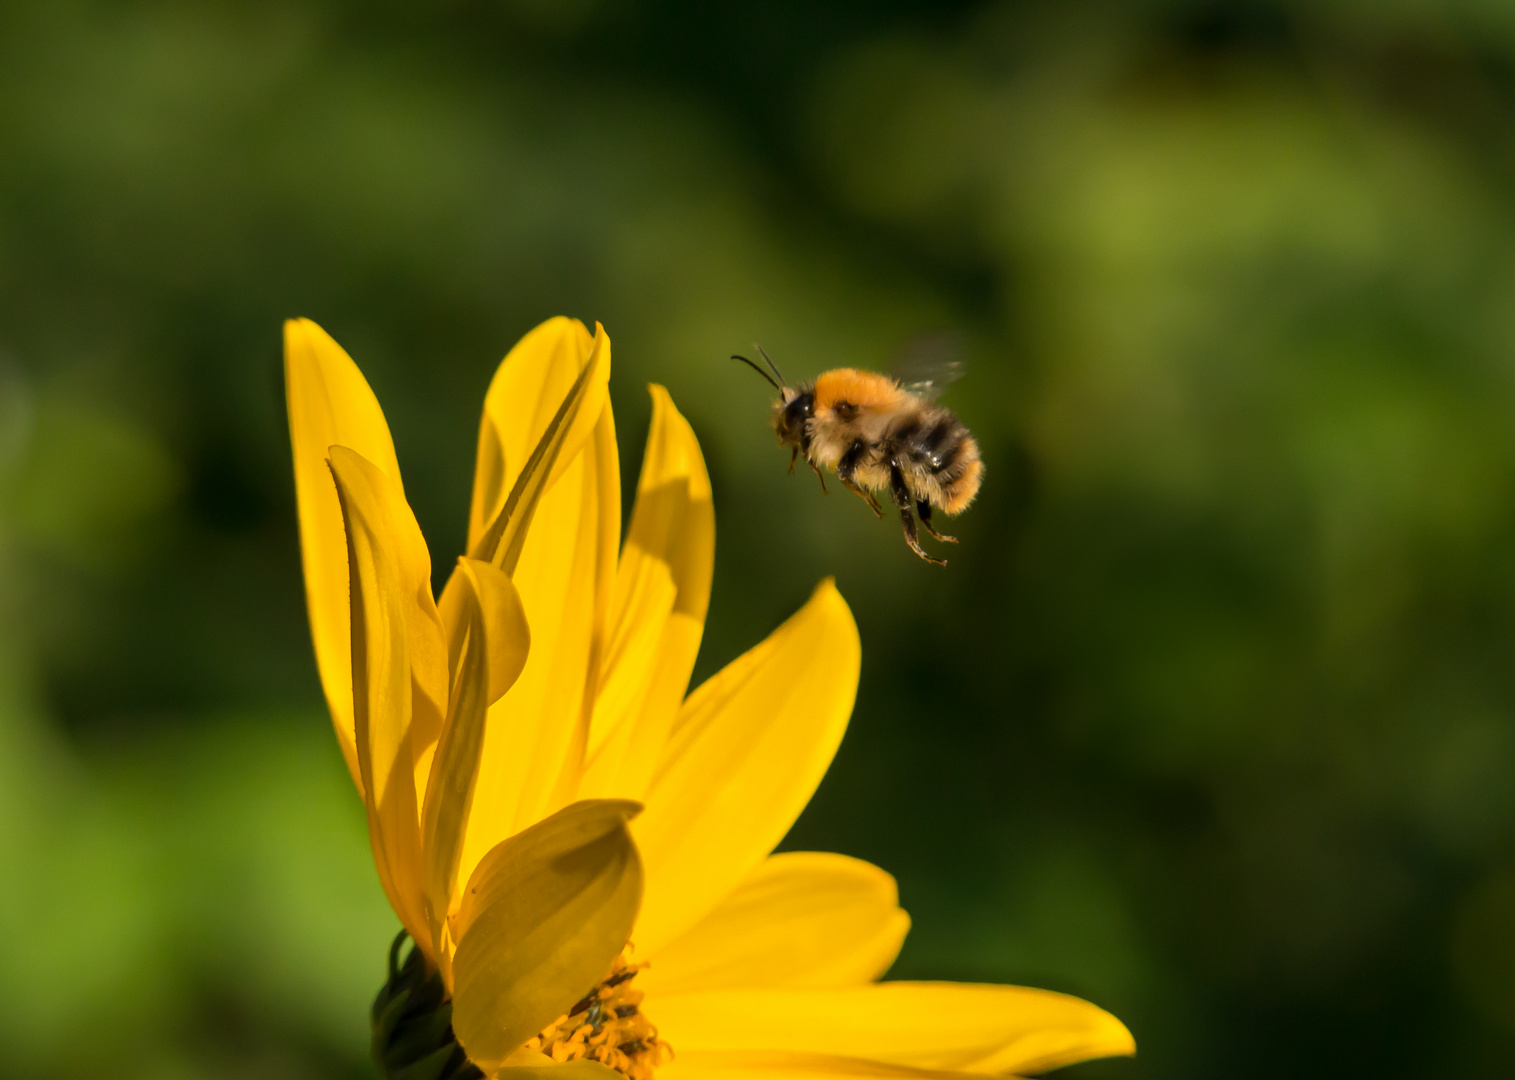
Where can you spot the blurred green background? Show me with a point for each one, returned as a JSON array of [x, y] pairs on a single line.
[[1211, 719]]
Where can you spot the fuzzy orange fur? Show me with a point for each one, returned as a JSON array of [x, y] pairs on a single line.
[[864, 389]]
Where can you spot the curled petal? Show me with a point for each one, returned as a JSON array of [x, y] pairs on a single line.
[[540, 923], [541, 409], [480, 588], [492, 649], [374, 515], [330, 403]]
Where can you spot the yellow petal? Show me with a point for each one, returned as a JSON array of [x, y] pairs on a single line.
[[657, 613], [329, 404], [950, 1026], [788, 1065], [510, 642], [543, 917], [802, 919], [492, 650], [746, 753], [383, 692], [540, 411], [534, 749], [527, 390]]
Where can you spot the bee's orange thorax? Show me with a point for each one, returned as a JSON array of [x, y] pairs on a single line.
[[864, 389]]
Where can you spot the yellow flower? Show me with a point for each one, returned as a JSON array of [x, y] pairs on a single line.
[[749, 963], [547, 909]]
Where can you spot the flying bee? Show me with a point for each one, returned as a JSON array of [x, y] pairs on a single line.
[[877, 434]]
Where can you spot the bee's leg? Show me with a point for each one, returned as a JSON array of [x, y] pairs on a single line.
[[818, 475], [848, 466], [866, 496], [923, 508], [804, 448], [906, 507], [793, 457]]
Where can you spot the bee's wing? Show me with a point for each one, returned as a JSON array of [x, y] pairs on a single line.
[[926, 363]]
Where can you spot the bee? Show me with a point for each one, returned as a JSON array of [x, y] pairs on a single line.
[[877, 434]]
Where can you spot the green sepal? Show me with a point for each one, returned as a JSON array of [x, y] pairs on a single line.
[[412, 1024]]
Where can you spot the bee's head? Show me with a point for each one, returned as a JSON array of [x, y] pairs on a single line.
[[795, 406]]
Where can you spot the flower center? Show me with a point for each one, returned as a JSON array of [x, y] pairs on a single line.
[[607, 1026]]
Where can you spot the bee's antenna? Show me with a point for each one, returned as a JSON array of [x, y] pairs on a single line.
[[769, 361], [759, 370]]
